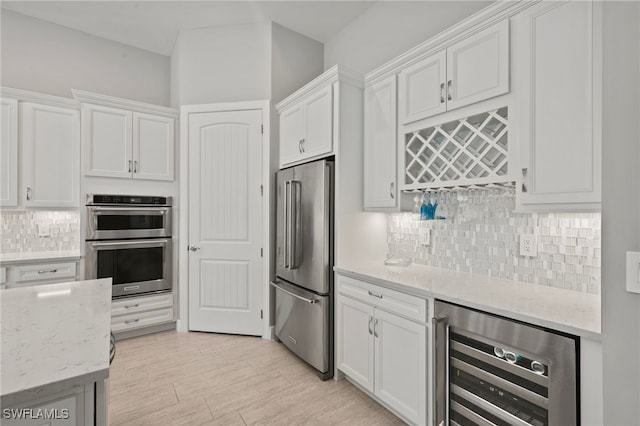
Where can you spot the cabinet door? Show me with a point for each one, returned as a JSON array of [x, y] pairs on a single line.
[[559, 87], [107, 141], [291, 134], [9, 154], [355, 341], [318, 119], [153, 142], [51, 156], [478, 67], [422, 89], [401, 365], [380, 146]]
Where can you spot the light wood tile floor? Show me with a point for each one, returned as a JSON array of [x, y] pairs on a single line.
[[192, 378]]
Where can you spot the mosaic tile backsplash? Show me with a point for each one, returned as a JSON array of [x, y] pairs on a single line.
[[481, 234], [19, 231]]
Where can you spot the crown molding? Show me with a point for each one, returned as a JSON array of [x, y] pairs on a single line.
[[484, 18], [330, 76], [83, 97], [39, 98]]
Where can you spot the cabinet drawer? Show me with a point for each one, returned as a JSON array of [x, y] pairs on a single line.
[[393, 301], [141, 304], [45, 271], [141, 319]]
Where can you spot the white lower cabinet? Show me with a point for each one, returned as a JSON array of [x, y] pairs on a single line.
[[380, 349], [137, 312]]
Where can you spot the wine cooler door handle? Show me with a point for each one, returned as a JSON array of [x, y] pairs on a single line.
[[440, 371]]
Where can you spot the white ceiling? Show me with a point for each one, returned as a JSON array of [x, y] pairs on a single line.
[[154, 25]]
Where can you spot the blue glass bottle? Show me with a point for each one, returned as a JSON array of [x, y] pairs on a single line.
[[423, 208]]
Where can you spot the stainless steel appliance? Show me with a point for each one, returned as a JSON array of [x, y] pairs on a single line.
[[304, 263], [129, 239], [489, 370]]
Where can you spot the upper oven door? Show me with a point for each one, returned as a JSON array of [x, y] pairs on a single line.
[[127, 222]]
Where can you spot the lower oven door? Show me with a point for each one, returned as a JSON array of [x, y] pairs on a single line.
[[302, 324], [136, 266]]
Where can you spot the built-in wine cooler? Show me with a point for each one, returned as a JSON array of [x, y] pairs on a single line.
[[493, 371]]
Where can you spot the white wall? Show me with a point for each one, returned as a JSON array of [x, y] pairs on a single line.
[[48, 58], [221, 64], [389, 28], [620, 211]]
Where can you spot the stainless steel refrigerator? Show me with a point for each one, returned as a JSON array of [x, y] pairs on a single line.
[[304, 263]]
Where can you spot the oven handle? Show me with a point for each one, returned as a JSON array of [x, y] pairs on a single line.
[[157, 211], [154, 242]]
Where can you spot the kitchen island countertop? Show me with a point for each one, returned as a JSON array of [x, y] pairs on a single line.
[[558, 309], [52, 334]]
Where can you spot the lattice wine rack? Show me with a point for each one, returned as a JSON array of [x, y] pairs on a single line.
[[461, 153]]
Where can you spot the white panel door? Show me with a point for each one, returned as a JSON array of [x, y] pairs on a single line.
[[559, 81], [107, 141], [380, 147], [291, 134], [422, 88], [401, 365], [355, 341], [9, 154], [478, 67], [318, 113], [225, 222], [153, 146], [51, 156]]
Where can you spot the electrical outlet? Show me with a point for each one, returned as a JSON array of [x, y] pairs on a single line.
[[44, 230], [528, 245], [424, 235]]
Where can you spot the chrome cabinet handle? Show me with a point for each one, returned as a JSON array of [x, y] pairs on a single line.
[[300, 146], [370, 322], [449, 84], [48, 271], [378, 295], [441, 93], [132, 321], [28, 193], [129, 166], [131, 306], [303, 141], [524, 180], [135, 167], [194, 248], [375, 328], [391, 193]]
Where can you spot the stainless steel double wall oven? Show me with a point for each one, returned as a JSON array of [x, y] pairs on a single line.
[[129, 239]]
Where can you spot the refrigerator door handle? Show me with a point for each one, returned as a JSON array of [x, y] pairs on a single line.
[[290, 293], [294, 223], [286, 200]]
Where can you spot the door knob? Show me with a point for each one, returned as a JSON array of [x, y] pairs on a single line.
[[194, 248]]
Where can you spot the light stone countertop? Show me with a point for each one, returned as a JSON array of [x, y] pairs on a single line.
[[558, 309], [41, 256], [54, 333]]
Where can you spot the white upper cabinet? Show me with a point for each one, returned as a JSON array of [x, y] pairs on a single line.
[[306, 128], [472, 70], [380, 146], [51, 155], [9, 154], [153, 140], [107, 139], [558, 82], [126, 139]]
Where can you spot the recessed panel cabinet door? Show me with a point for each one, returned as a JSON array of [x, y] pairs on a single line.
[[50, 156], [380, 147], [318, 138], [107, 141], [559, 89], [153, 145], [9, 154], [478, 67], [355, 341], [422, 88], [291, 134], [401, 362]]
